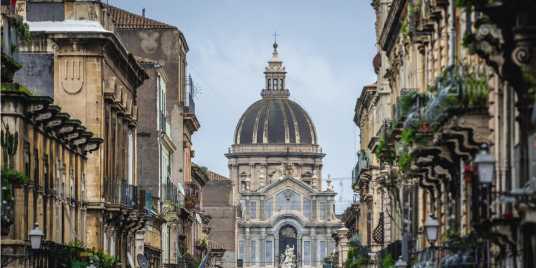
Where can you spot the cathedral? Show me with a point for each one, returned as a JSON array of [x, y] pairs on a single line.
[[275, 162]]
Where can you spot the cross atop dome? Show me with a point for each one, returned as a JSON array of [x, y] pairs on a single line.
[[275, 74]]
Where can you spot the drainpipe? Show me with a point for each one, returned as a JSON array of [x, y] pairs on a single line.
[[452, 32]]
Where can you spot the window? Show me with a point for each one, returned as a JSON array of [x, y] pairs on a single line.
[[165, 174], [36, 166], [269, 83], [268, 208], [27, 159], [322, 250], [307, 208], [253, 251], [130, 156], [243, 208], [162, 103], [268, 252], [323, 210], [241, 248], [46, 172], [275, 84], [252, 209], [281, 84], [307, 252]]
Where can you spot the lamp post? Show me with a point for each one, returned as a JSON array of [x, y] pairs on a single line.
[[485, 165], [36, 237], [431, 229], [401, 263]]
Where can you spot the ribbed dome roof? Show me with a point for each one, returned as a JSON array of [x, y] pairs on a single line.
[[275, 121]]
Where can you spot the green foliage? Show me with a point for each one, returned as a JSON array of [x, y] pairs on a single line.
[[10, 143], [404, 161], [357, 257], [473, 3], [13, 176], [407, 136], [476, 90], [9, 67], [103, 260], [406, 102], [383, 152], [388, 261], [22, 29], [16, 88]]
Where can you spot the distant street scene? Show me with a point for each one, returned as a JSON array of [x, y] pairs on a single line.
[[268, 134]]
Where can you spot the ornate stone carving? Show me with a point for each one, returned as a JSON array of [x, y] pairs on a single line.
[[149, 41], [72, 74]]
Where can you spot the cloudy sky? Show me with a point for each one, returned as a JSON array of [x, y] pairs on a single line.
[[326, 45]]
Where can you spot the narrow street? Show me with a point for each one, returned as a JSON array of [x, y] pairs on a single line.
[[271, 134]]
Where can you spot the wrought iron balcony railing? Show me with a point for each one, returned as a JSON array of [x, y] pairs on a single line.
[[363, 163], [191, 198]]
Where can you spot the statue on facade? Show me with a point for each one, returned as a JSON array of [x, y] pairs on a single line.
[[288, 258], [330, 184]]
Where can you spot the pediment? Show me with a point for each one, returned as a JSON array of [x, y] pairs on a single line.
[[288, 182]]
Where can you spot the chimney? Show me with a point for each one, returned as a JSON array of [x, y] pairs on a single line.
[[143, 12]]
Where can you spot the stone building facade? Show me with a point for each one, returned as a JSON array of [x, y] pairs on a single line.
[[275, 164], [44, 167], [218, 204], [76, 58], [164, 103], [454, 79]]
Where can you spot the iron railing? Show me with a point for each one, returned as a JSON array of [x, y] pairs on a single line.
[[363, 163], [191, 198], [190, 89]]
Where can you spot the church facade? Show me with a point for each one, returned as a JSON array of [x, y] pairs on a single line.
[[275, 163]]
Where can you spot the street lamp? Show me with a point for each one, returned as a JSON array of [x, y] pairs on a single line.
[[431, 227], [36, 236], [485, 164]]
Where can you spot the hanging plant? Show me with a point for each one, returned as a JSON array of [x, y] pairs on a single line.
[[404, 161]]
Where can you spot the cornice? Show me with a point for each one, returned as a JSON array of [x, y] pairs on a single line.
[[392, 25], [112, 45]]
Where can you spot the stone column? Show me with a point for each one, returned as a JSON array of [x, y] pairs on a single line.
[[253, 182], [247, 248], [262, 249], [139, 245], [314, 247], [342, 248]]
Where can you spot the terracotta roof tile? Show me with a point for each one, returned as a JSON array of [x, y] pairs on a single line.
[[127, 20]]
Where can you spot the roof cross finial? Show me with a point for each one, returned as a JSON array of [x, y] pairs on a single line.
[[275, 41]]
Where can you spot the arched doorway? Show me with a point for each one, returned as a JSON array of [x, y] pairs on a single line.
[[288, 236]]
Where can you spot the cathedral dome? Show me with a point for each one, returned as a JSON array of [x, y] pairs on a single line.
[[275, 121]]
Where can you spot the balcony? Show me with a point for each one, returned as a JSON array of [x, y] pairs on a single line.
[[363, 164], [192, 196], [170, 192], [129, 195], [190, 119]]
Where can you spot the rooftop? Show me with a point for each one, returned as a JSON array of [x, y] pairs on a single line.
[[127, 20]]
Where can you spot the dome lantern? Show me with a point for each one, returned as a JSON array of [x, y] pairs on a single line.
[[275, 73]]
